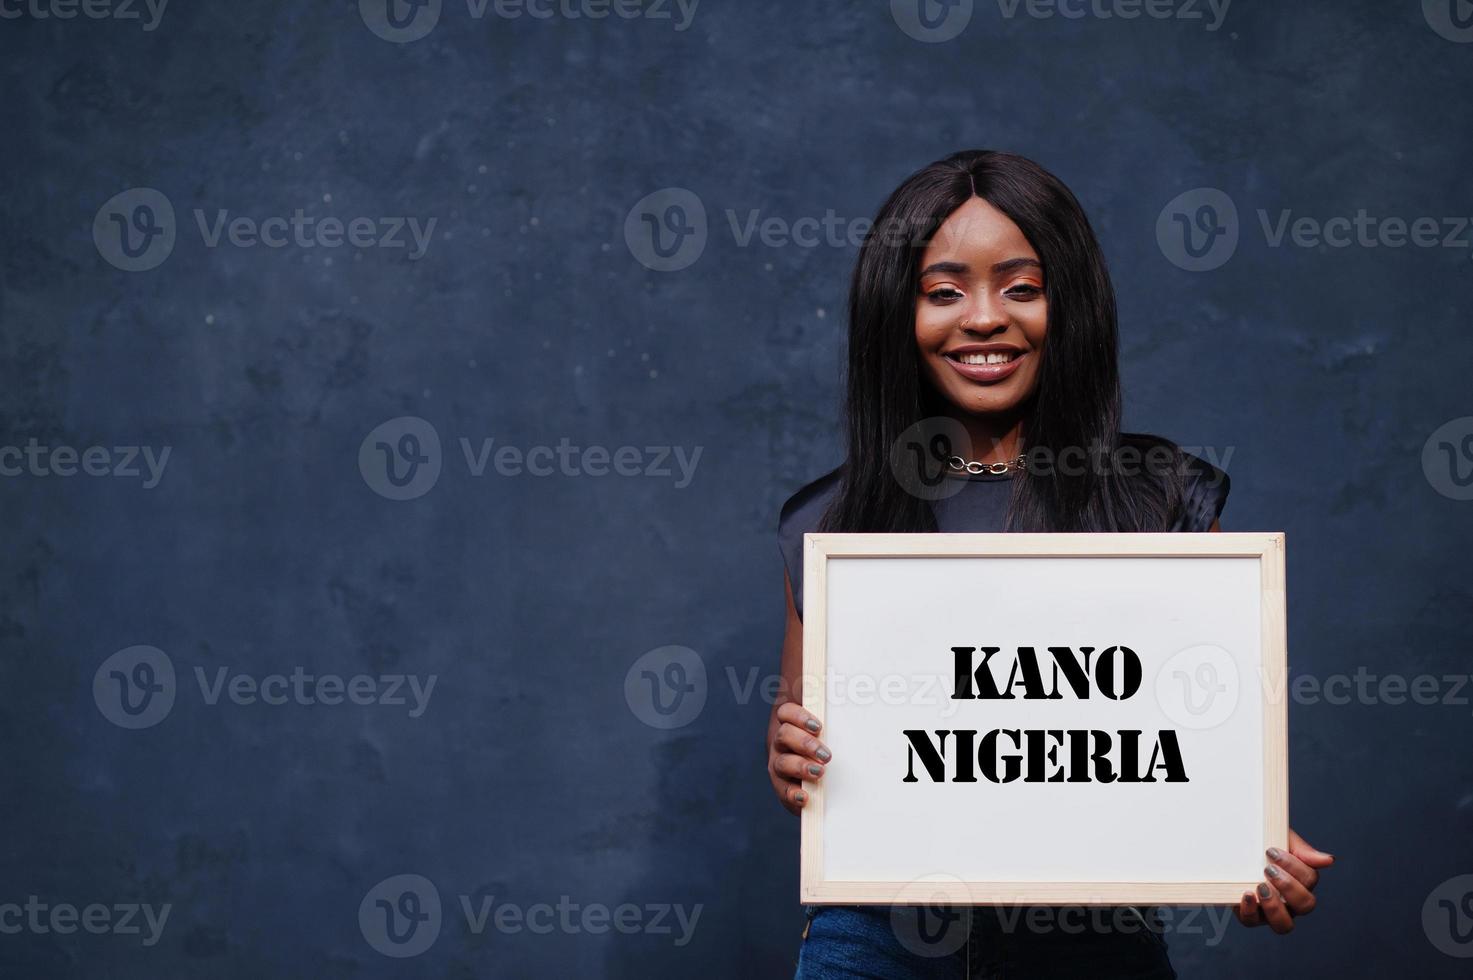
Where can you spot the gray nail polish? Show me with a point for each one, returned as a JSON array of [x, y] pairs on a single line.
[[1273, 872], [824, 755], [1263, 892], [1274, 853], [812, 724], [800, 797], [815, 770]]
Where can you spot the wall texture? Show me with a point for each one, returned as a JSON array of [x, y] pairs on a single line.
[[289, 244]]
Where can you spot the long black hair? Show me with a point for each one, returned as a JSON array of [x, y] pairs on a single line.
[[1077, 403]]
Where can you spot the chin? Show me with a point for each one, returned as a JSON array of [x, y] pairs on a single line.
[[989, 402]]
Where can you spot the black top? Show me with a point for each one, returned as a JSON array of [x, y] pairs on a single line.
[[980, 505]]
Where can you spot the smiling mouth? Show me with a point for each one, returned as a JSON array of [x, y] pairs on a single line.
[[986, 357], [985, 366]]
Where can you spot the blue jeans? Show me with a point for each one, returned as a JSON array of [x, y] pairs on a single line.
[[1040, 943]]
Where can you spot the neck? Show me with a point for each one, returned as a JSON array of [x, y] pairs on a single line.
[[995, 438]]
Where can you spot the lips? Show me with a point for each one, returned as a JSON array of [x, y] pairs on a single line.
[[985, 363]]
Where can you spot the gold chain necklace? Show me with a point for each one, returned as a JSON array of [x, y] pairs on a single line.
[[958, 465]]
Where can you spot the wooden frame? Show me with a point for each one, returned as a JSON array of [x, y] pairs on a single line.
[[1266, 548]]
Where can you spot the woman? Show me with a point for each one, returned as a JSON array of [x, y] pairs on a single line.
[[983, 395]]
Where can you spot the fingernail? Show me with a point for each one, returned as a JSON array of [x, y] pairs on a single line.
[[1274, 853], [801, 797], [1272, 871], [812, 724], [1263, 892], [815, 770], [824, 755]]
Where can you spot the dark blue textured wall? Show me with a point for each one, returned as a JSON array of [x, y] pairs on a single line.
[[532, 775]]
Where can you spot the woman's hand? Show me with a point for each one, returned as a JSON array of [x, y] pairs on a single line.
[[794, 754], [1288, 887]]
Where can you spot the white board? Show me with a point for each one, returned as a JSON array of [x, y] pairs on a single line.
[[1202, 616]]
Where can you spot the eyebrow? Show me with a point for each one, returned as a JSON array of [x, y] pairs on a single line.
[[961, 268]]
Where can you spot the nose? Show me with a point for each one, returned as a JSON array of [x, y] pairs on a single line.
[[985, 317]]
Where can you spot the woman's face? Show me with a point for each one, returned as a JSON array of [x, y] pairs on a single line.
[[981, 314]]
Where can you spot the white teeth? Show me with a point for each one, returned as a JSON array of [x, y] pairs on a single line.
[[987, 357]]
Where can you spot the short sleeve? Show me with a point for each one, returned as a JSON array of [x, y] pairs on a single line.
[[802, 514], [1204, 495]]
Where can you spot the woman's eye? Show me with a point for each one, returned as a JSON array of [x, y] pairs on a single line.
[[1024, 290], [943, 294]]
